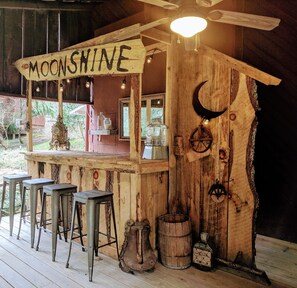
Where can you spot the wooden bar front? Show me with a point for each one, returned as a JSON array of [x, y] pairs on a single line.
[[140, 189]]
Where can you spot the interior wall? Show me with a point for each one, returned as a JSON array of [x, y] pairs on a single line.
[[276, 150], [107, 92]]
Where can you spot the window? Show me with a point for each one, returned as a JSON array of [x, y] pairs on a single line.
[[152, 106]]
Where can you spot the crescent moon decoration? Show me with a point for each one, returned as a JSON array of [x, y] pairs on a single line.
[[202, 111]]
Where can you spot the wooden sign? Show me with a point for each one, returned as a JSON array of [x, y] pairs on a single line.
[[113, 58]]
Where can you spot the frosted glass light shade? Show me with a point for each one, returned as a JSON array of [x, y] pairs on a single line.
[[188, 26]]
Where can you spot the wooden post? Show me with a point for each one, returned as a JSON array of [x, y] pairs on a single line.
[[171, 119], [60, 98], [135, 117], [29, 117]]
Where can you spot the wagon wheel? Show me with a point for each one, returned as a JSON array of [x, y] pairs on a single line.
[[201, 139]]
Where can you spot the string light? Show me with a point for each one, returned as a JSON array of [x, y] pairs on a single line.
[[88, 84], [150, 58], [123, 85], [68, 80], [37, 89], [61, 87]]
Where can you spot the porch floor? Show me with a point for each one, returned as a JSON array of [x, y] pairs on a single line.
[[22, 266]]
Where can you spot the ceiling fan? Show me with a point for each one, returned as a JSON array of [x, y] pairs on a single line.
[[189, 19]]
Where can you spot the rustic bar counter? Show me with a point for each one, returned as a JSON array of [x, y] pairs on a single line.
[[140, 189]]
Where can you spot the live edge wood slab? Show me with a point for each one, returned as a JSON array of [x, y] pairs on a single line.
[[140, 189]]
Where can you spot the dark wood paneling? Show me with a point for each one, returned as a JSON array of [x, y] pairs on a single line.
[[38, 32], [276, 150], [12, 50]]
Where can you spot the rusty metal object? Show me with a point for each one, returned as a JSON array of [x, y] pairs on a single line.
[[137, 253], [201, 139], [217, 192]]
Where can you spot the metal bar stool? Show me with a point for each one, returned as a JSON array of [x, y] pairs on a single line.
[[34, 186], [12, 181], [60, 194], [92, 199]]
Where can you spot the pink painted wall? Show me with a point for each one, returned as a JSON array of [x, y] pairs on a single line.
[[107, 91]]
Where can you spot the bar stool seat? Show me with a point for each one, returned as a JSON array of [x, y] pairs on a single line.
[[12, 181], [60, 194], [92, 199], [34, 186]]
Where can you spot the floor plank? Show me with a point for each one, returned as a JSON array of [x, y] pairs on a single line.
[[22, 266]]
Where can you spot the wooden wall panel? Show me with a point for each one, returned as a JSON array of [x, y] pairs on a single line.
[[231, 229], [242, 203]]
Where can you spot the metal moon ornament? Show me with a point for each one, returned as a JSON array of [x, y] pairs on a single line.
[[198, 107], [201, 138]]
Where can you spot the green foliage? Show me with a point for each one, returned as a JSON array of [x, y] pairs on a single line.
[[43, 108], [12, 129]]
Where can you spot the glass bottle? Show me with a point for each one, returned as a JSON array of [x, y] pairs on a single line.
[[163, 135], [203, 254], [101, 121], [107, 123]]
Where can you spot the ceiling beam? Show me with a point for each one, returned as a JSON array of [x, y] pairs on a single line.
[[158, 35], [50, 6]]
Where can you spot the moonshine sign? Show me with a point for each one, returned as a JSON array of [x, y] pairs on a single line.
[[113, 58]]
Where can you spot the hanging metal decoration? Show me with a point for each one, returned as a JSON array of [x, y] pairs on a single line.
[[217, 192], [201, 139], [60, 138], [202, 111]]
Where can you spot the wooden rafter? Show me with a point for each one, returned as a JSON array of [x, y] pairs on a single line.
[[121, 34], [240, 66]]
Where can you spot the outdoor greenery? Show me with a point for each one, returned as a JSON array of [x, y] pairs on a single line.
[[51, 109], [11, 148]]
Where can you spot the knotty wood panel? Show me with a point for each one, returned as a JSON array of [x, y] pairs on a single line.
[[229, 223]]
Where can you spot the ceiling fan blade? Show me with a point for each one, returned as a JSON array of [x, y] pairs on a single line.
[[207, 3], [244, 19], [161, 3]]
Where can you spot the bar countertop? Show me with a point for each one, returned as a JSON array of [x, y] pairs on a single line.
[[116, 162]]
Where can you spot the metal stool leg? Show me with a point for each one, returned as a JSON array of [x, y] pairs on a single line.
[[64, 210], [12, 189], [79, 229], [96, 228], [33, 208], [22, 210], [74, 208], [114, 226], [42, 218], [55, 216], [3, 198], [90, 207]]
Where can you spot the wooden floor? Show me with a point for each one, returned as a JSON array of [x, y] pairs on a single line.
[[22, 266]]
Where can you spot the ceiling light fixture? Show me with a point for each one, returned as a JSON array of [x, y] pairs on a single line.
[[188, 22]]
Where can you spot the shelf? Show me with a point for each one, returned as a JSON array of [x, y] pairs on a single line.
[[103, 132]]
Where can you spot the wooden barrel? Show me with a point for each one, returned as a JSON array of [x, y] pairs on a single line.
[[175, 241]]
